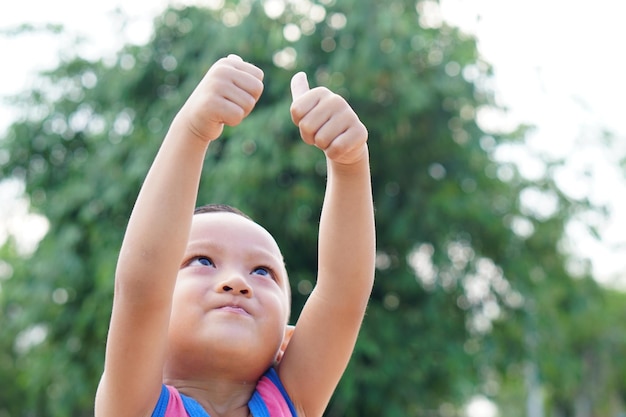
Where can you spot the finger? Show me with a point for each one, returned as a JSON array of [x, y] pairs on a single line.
[[238, 63], [327, 133], [250, 84], [299, 85]]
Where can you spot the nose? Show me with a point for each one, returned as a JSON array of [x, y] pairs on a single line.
[[235, 284]]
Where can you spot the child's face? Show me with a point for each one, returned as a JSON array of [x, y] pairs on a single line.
[[231, 299]]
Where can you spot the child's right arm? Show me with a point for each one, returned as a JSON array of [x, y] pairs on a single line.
[[156, 238]]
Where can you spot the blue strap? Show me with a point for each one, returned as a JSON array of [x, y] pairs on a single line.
[[256, 404], [161, 406], [194, 409]]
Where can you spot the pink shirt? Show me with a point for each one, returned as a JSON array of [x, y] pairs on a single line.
[[268, 400]]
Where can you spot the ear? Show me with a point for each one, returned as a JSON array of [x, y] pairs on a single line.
[[289, 329]]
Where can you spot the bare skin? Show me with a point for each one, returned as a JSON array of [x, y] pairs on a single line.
[[201, 302]]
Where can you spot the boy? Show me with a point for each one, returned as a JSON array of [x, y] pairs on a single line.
[[199, 320]]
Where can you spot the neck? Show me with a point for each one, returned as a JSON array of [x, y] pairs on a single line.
[[219, 397]]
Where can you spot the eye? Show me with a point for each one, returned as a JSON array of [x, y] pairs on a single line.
[[201, 261], [263, 271]]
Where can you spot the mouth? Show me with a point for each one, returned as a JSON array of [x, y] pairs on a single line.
[[235, 309]]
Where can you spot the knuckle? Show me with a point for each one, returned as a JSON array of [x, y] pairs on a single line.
[[234, 116], [323, 91], [335, 101], [335, 151], [306, 126], [308, 139], [361, 130], [295, 113]]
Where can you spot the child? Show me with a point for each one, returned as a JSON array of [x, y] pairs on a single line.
[[200, 315]]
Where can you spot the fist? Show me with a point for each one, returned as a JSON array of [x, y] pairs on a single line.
[[327, 121], [225, 96]]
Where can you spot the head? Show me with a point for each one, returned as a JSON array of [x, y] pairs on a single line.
[[232, 300]]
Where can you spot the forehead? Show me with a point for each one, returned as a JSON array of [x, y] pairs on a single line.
[[229, 224], [230, 232]]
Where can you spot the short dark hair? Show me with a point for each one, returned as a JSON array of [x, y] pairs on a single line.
[[220, 208]]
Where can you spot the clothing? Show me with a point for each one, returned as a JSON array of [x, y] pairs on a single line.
[[268, 400]]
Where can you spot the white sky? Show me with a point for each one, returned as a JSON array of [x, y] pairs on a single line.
[[559, 65]]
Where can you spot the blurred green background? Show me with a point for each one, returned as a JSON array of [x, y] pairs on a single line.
[[475, 295]]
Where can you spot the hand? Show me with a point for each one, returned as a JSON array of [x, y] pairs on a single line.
[[225, 96], [327, 121]]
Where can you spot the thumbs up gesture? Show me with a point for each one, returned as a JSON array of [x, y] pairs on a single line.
[[327, 121]]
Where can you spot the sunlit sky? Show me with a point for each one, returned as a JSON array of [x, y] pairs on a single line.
[[558, 65]]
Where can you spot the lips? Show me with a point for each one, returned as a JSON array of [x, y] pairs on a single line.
[[233, 308]]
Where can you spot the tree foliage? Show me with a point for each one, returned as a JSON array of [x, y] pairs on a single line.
[[471, 283]]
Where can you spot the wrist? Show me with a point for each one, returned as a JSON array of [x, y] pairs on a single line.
[[181, 133], [353, 157], [184, 129], [355, 164]]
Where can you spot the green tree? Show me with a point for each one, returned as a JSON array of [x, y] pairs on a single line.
[[460, 258]]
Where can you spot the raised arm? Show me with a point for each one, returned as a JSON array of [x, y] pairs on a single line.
[[156, 238], [328, 326]]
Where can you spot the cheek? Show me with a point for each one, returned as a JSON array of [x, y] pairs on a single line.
[[191, 285], [187, 297], [286, 301], [283, 306], [186, 314], [271, 301]]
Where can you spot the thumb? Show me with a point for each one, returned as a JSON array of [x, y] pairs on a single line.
[[299, 85]]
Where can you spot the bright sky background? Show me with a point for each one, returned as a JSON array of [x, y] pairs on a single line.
[[559, 65]]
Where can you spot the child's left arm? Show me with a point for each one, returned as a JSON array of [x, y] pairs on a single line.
[[327, 329]]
